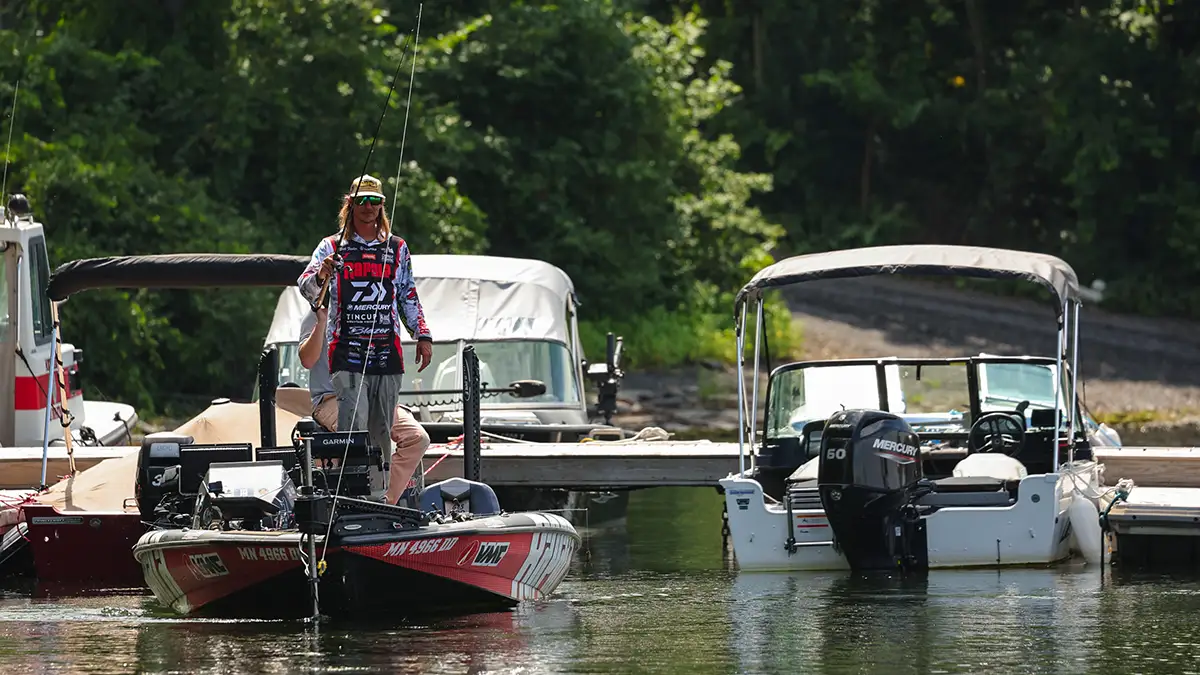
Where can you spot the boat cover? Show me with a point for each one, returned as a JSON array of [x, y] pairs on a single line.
[[469, 298], [106, 486], [968, 261]]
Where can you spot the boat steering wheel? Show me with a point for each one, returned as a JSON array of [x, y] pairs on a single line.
[[997, 431]]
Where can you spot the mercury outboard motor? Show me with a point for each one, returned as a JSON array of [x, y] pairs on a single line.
[[870, 467]]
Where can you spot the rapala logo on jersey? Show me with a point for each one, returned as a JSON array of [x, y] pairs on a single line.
[[490, 554], [895, 447], [369, 270]]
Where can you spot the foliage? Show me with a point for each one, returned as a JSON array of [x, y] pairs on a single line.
[[699, 333], [570, 132], [1064, 128], [580, 135]]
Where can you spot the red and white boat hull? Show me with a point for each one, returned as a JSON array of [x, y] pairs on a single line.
[[477, 565]]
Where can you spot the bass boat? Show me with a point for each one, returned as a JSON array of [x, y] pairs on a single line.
[[281, 534]]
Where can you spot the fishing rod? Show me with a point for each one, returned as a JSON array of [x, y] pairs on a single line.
[[317, 568]]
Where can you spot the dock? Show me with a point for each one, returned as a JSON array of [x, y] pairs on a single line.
[[1157, 524], [588, 466]]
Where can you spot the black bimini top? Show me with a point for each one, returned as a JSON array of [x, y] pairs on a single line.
[[176, 270], [966, 261]]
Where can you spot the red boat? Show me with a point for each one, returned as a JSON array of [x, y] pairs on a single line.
[[239, 540], [455, 567]]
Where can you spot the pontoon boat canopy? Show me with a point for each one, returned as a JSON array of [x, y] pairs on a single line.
[[969, 261], [470, 297], [175, 270]]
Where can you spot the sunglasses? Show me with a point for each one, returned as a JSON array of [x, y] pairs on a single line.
[[373, 201]]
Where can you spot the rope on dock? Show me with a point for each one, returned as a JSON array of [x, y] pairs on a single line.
[[1124, 487]]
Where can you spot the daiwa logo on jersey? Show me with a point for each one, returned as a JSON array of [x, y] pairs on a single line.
[[895, 447], [367, 291]]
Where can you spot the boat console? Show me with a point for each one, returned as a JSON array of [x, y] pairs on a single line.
[[342, 461], [245, 496]]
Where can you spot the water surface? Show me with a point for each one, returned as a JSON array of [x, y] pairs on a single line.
[[657, 593]]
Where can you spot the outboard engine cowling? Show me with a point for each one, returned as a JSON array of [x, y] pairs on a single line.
[[870, 466], [159, 452]]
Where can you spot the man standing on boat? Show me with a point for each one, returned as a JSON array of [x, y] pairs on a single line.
[[371, 293]]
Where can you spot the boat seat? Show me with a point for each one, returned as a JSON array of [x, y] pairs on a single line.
[[968, 484], [968, 491], [967, 499]]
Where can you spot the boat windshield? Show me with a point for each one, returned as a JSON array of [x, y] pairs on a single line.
[[930, 396], [1004, 385], [500, 364]]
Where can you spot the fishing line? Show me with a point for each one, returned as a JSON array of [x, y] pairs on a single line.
[[12, 119], [407, 109], [370, 345]]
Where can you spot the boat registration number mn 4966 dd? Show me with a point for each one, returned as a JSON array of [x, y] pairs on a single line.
[[274, 553], [422, 546]]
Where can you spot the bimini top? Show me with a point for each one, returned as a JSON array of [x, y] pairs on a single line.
[[470, 297], [967, 261], [175, 270]]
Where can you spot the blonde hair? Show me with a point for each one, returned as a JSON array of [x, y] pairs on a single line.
[[346, 220]]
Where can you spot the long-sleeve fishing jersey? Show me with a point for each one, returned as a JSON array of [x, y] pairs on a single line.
[[370, 299]]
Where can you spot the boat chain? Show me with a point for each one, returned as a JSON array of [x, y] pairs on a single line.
[[456, 399]]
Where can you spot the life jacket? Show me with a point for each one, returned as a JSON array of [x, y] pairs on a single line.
[[366, 340]]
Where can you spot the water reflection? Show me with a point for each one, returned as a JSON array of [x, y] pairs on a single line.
[[659, 595]]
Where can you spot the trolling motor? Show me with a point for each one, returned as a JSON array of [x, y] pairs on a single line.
[[607, 378]]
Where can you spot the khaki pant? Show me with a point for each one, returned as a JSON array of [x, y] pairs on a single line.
[[326, 412], [411, 443], [410, 438]]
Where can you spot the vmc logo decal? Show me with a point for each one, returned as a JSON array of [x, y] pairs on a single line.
[[484, 554]]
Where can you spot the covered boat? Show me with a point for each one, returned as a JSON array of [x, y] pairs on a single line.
[[243, 541], [912, 464]]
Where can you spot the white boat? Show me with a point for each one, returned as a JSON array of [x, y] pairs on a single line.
[[913, 463], [521, 316], [31, 349]]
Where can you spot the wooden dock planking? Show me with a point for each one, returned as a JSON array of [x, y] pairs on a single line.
[[593, 465], [1151, 466]]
